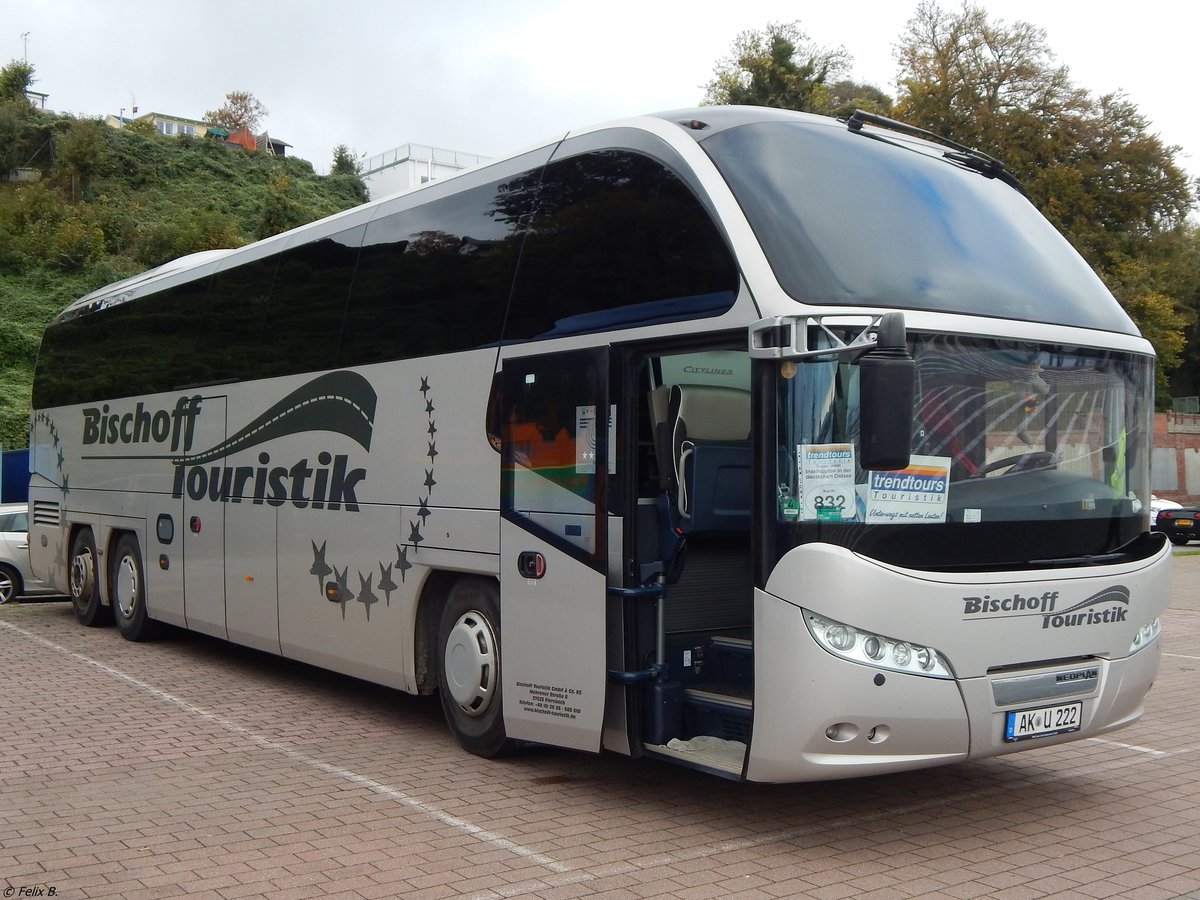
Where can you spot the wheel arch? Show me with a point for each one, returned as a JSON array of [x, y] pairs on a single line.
[[429, 607]]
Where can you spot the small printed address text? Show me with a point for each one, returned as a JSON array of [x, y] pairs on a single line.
[[549, 700]]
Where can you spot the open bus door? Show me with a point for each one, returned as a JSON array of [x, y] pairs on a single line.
[[554, 547]]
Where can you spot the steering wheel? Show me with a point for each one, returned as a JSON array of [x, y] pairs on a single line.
[[1021, 462]]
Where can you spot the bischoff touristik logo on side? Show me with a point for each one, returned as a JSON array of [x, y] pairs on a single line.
[[339, 403], [1104, 607]]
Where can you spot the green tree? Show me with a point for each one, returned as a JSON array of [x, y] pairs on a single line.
[[15, 79], [778, 66], [80, 151], [845, 96], [12, 126], [76, 242], [345, 174], [15, 110], [241, 109], [282, 207], [345, 162]]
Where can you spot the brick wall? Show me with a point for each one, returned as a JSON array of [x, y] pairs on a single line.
[[1175, 464]]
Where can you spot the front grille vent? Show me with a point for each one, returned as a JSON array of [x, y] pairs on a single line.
[[1079, 680]]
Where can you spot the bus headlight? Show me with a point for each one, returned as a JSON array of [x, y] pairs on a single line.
[[876, 650], [1145, 635]]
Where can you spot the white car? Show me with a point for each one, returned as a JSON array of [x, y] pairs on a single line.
[[16, 579], [1157, 504]]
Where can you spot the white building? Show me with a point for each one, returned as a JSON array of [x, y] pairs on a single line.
[[410, 165]]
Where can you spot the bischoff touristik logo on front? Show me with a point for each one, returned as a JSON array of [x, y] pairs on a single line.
[[1104, 607]]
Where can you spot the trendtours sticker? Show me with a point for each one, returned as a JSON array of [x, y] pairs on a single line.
[[826, 478], [915, 494]]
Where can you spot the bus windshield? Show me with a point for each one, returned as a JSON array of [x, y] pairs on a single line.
[[1020, 454], [851, 220]]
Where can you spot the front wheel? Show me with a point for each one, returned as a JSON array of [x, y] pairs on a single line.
[[85, 586], [469, 643], [128, 592]]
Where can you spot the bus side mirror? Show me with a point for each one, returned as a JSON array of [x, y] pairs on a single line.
[[887, 375]]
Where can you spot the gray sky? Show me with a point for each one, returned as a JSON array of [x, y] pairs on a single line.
[[494, 76]]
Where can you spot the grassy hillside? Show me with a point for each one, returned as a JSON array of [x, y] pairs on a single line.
[[110, 203]]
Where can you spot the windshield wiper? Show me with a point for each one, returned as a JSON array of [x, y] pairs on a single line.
[[959, 153]]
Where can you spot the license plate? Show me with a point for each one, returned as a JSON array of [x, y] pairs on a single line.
[[1022, 724], [1183, 523]]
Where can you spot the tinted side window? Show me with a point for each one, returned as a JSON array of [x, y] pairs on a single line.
[[232, 326], [617, 240], [139, 347], [308, 301], [433, 279]]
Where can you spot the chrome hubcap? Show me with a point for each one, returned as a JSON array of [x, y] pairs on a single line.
[[126, 586], [471, 664]]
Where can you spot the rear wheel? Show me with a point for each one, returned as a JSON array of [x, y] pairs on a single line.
[[469, 644], [85, 586], [10, 584], [128, 592], [1178, 539]]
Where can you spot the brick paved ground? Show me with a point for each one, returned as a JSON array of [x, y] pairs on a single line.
[[193, 767]]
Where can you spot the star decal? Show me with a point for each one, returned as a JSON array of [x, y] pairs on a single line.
[[423, 513], [343, 589], [432, 428], [429, 482], [432, 450], [425, 386], [429, 407], [386, 584], [320, 568], [414, 536], [365, 595], [402, 560]]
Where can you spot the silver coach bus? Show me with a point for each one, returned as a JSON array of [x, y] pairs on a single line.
[[783, 447]]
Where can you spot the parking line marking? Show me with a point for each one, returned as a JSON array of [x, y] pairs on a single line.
[[1149, 750], [267, 743], [1181, 656]]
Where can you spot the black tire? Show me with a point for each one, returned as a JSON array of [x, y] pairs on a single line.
[[127, 590], [468, 648], [85, 585], [10, 584], [1178, 540]]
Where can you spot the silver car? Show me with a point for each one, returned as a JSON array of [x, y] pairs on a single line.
[[16, 578]]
